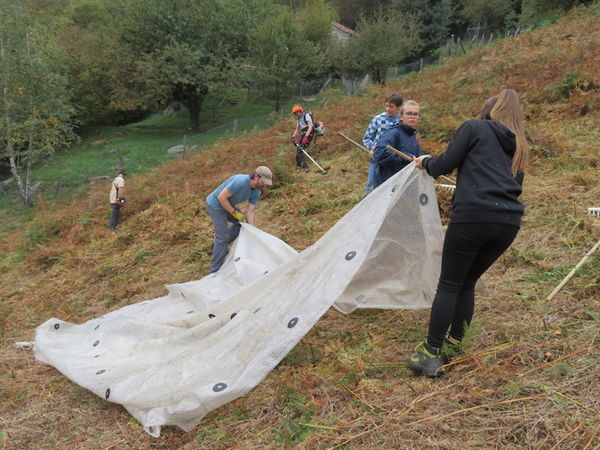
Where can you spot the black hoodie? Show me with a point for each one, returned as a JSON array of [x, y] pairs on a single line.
[[486, 191]]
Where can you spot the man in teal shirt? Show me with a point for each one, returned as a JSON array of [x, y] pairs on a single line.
[[222, 208]]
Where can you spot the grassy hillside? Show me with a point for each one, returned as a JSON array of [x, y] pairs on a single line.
[[530, 377]]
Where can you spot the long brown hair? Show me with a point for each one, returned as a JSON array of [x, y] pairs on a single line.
[[507, 111], [484, 114]]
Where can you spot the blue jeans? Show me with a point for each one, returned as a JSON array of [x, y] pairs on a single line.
[[371, 179], [224, 234]]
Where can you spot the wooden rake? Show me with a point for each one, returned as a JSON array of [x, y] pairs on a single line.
[[406, 157]]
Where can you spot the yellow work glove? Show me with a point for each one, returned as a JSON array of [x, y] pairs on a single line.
[[238, 216]]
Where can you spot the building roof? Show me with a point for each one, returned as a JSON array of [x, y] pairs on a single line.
[[344, 28]]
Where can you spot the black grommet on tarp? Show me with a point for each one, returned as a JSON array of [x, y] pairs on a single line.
[[359, 298], [56, 326], [423, 199], [96, 343], [350, 255], [237, 259], [96, 327], [189, 312], [233, 315], [100, 372], [211, 316], [395, 187], [219, 387], [107, 394], [292, 323]]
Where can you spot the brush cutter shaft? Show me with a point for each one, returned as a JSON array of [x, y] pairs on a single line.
[[310, 157], [408, 158]]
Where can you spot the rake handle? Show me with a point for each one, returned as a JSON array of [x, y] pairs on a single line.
[[572, 272], [354, 142], [408, 158]]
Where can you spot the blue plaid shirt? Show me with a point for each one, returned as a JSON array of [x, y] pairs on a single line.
[[378, 125]]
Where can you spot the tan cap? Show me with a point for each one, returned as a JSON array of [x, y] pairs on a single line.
[[265, 173]]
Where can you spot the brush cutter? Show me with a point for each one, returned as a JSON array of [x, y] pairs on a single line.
[[323, 171]]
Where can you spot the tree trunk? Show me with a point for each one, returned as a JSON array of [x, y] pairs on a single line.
[[23, 188], [194, 104]]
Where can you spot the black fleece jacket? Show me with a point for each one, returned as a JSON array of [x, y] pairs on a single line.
[[486, 191]]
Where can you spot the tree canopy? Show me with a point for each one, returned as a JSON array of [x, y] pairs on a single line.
[[178, 50], [35, 108], [384, 40]]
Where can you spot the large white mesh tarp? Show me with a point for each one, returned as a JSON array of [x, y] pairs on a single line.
[[171, 360]]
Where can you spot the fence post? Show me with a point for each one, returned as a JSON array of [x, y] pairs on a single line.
[[184, 146], [421, 65], [58, 186], [235, 126]]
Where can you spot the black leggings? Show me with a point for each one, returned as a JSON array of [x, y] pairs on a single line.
[[469, 250]]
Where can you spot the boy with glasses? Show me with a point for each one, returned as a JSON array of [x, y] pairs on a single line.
[[401, 136]]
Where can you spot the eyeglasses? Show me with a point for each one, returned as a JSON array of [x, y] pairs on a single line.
[[411, 114]]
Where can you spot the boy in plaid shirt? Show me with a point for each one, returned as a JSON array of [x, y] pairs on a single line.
[[378, 125]]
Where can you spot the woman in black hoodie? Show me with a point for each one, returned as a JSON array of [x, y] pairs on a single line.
[[490, 156]]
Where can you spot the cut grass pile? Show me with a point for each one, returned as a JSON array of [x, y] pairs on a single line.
[[529, 377]]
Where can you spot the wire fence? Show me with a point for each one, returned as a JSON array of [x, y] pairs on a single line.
[[455, 45]]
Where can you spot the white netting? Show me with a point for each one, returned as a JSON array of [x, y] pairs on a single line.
[[171, 360]]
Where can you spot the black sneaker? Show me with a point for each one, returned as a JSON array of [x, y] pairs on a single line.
[[428, 361]]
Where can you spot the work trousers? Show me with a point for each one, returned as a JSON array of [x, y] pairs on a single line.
[[300, 156], [469, 250], [224, 234], [115, 216]]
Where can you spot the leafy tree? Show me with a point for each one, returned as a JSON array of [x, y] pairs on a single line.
[[489, 13], [281, 57], [179, 50], [35, 113], [435, 17], [315, 20], [383, 42], [93, 53], [350, 11]]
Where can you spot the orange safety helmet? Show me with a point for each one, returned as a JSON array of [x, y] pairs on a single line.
[[297, 108]]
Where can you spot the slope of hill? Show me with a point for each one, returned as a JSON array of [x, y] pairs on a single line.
[[530, 375]]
